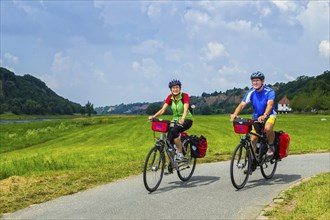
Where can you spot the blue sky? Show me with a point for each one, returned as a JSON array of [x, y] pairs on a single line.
[[113, 52]]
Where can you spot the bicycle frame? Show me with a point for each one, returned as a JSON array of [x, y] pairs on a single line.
[[245, 160], [155, 161], [164, 144], [246, 140]]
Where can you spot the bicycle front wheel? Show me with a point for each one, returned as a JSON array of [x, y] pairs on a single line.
[[187, 168], [240, 166], [153, 169], [268, 168]]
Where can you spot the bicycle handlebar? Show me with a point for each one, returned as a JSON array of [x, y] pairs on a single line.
[[164, 120]]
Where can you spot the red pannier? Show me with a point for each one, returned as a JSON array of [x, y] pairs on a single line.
[[242, 125], [198, 146], [282, 144], [160, 125]]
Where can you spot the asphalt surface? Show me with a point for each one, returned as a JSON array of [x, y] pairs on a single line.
[[208, 195]]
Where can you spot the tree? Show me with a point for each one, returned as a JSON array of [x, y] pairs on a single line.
[[152, 109], [89, 108]]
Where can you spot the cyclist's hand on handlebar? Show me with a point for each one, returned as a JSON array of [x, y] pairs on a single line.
[[262, 118], [150, 118], [181, 121], [232, 117]]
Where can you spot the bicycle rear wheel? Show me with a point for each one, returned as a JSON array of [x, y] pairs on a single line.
[[268, 168], [240, 166], [186, 169], [153, 169]]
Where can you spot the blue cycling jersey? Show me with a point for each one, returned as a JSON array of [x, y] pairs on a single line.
[[259, 100]]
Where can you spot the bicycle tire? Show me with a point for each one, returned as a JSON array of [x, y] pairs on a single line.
[[240, 166], [186, 170], [153, 169], [268, 168]]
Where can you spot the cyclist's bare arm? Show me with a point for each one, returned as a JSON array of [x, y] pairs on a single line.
[[237, 111], [160, 112], [269, 107]]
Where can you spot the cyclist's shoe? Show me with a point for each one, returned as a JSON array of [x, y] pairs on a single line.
[[169, 169], [270, 152], [180, 158]]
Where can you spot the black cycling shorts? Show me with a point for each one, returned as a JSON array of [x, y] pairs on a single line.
[[177, 129]]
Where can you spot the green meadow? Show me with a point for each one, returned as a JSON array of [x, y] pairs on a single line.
[[44, 160]]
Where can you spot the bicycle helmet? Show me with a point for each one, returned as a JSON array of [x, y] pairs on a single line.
[[258, 75], [174, 82]]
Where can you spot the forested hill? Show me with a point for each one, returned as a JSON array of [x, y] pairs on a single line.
[[305, 94], [29, 95]]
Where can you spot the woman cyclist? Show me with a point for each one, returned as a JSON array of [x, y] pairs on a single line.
[[262, 98], [179, 103]]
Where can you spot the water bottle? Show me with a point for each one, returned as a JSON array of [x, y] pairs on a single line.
[[194, 148]]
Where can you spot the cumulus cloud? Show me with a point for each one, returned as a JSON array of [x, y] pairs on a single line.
[[286, 5], [241, 25], [213, 50], [148, 67], [196, 20], [324, 48], [11, 59], [61, 63]]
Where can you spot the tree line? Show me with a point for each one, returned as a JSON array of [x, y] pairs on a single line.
[[29, 95]]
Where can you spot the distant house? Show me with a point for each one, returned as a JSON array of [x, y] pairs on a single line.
[[283, 105]]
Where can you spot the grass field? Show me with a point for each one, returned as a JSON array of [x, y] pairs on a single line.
[[44, 160], [310, 199]]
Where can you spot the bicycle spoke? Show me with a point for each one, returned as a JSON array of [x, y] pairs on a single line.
[[187, 169], [153, 169], [239, 167]]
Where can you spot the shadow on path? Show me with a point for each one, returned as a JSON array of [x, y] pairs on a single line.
[[193, 182], [277, 179]]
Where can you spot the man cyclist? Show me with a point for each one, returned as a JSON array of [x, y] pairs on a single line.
[[262, 99], [179, 103]]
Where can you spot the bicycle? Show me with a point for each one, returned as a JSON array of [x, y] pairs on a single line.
[[155, 161], [244, 160]]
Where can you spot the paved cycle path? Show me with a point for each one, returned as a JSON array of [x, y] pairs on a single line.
[[208, 195]]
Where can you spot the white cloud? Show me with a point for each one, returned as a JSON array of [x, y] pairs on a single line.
[[324, 48], [27, 8], [315, 18], [154, 10], [61, 63], [233, 69], [196, 20], [286, 6], [213, 50], [148, 67], [197, 17], [265, 12], [148, 47], [11, 59], [51, 81], [243, 25]]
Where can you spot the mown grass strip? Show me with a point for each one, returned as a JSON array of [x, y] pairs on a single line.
[[308, 200]]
